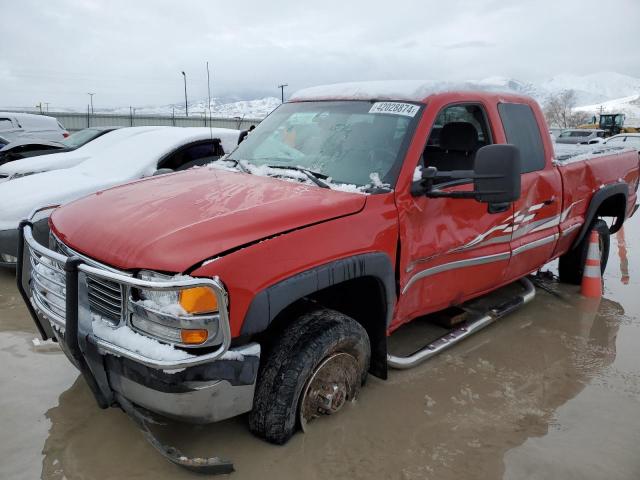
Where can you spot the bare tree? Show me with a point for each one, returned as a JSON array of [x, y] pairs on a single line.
[[559, 111]]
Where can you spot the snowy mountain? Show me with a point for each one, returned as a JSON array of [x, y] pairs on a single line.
[[630, 106], [259, 108], [595, 87], [613, 90]]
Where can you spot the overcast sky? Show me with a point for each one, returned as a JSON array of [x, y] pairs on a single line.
[[131, 52]]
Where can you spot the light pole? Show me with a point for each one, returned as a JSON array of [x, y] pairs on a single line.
[[91, 97], [186, 105], [281, 87]]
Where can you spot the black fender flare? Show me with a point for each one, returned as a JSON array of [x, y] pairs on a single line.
[[268, 303], [597, 200]]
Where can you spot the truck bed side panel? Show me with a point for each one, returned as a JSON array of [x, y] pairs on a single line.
[[582, 177]]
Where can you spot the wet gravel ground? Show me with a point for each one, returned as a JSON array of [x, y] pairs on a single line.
[[549, 392]]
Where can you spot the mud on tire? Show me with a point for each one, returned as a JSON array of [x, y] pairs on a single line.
[[301, 348], [571, 265]]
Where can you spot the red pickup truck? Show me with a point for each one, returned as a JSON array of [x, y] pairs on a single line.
[[270, 281]]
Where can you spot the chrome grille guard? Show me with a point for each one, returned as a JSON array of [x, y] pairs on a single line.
[[49, 286]]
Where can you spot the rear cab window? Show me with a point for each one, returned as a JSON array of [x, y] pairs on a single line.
[[522, 130]]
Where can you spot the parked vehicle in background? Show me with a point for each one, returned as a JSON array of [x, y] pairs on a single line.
[[15, 126], [149, 152], [625, 140], [351, 210], [32, 148], [577, 135], [55, 161]]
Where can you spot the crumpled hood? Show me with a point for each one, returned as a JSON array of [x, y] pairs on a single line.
[[172, 222]]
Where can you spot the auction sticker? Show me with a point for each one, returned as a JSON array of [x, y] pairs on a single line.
[[395, 108]]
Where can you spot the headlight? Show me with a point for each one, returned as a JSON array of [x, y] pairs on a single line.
[[185, 317], [188, 301]]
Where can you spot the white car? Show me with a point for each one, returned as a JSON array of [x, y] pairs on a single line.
[[55, 161], [152, 152], [17, 126], [624, 140]]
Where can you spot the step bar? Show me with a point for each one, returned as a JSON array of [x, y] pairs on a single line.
[[464, 330]]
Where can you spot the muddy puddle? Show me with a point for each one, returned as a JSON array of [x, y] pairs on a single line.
[[551, 391]]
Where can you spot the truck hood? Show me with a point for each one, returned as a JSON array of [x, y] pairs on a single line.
[[171, 222]]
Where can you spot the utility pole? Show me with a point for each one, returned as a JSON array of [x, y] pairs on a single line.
[[281, 87], [131, 115], [186, 104], [47, 104], [91, 97], [39, 106]]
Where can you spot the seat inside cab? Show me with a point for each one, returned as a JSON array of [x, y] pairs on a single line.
[[459, 132]]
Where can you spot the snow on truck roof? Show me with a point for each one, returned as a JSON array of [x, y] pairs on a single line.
[[411, 90]]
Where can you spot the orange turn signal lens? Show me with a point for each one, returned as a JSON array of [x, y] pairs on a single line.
[[198, 300], [194, 337]]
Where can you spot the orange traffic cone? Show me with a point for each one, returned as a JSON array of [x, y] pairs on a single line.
[[592, 276]]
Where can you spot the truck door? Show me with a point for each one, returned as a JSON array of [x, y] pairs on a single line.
[[451, 249], [537, 213]]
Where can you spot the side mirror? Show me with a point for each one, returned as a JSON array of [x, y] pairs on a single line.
[[496, 177], [497, 171]]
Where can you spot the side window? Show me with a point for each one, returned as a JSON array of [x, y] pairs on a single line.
[[521, 129], [6, 124], [193, 155], [458, 133]]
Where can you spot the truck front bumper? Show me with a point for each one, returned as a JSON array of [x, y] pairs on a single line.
[[195, 387]]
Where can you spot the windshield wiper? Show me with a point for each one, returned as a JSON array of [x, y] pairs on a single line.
[[237, 163], [315, 177]]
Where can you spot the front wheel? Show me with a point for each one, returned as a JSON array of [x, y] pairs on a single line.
[[571, 264], [315, 368]]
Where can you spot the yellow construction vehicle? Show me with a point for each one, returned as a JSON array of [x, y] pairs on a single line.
[[611, 123]]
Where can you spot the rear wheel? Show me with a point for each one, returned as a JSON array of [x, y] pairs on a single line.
[[316, 367], [571, 265]]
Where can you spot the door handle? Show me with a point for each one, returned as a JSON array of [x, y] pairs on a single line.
[[549, 201]]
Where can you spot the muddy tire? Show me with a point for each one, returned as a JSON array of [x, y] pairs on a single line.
[[302, 347], [571, 265]]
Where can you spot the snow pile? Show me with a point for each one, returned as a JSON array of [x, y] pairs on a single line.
[[417, 173], [128, 339], [292, 175]]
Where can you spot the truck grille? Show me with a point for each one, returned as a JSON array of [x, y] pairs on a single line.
[[105, 298]]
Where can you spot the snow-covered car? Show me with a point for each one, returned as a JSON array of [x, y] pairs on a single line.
[[15, 126], [150, 152], [32, 148], [624, 140], [55, 161]]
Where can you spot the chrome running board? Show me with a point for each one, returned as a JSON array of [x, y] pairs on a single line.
[[467, 328]]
